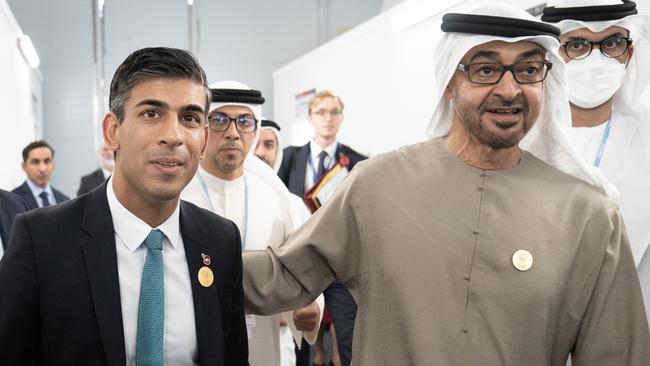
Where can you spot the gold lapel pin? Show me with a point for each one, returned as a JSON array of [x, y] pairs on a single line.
[[206, 277]]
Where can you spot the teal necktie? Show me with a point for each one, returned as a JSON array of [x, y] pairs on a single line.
[[151, 311]]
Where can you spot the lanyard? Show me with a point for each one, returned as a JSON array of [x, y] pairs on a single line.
[[310, 162], [207, 193], [603, 142]]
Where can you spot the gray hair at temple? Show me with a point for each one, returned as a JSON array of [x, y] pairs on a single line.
[[154, 63]]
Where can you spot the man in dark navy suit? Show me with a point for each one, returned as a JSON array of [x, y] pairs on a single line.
[[128, 274], [10, 206], [302, 167], [38, 165]]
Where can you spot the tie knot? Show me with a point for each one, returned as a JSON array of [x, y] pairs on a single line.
[[154, 240], [323, 154]]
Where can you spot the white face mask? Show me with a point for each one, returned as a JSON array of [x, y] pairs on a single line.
[[594, 79]]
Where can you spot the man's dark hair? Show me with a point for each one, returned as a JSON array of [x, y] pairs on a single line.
[[35, 145], [153, 63]]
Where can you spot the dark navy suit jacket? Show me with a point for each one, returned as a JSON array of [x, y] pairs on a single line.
[[294, 165], [26, 194], [10, 206], [60, 296]]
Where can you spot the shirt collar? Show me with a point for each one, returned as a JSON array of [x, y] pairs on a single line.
[[315, 149], [132, 230], [36, 190]]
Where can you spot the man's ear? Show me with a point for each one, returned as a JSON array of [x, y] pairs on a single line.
[[111, 133]]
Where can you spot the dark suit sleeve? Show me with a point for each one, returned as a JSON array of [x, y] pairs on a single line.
[[237, 342], [19, 303], [285, 167]]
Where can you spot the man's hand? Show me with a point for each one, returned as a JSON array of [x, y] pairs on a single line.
[[306, 319]]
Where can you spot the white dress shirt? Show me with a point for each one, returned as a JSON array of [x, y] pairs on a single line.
[[314, 160], [180, 344], [36, 191]]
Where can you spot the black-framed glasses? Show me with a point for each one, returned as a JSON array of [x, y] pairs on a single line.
[[580, 48], [244, 123], [525, 72]]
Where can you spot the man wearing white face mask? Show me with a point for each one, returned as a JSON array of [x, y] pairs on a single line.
[[606, 47]]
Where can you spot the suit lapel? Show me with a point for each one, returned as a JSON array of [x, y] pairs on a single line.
[[27, 195], [299, 171], [207, 310], [101, 265], [60, 197]]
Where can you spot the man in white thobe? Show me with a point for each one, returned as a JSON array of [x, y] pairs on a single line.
[[244, 194], [606, 45]]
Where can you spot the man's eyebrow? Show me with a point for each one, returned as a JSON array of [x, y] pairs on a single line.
[[617, 34], [486, 54], [152, 102], [194, 108], [531, 53]]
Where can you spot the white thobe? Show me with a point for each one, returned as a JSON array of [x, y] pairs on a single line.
[[626, 165], [263, 218]]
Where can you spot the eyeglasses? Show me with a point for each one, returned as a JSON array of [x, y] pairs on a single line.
[[527, 72], [579, 48], [244, 123], [334, 113]]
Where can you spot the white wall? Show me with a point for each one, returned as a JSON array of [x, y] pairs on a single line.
[[62, 34], [20, 98]]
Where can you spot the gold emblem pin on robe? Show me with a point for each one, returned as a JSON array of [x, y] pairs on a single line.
[[206, 277], [522, 260]]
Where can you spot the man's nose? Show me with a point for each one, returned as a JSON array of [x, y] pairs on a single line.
[[507, 87], [231, 132], [171, 133]]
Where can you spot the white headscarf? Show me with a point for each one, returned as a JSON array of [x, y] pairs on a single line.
[[548, 139], [627, 98], [278, 152], [256, 109]]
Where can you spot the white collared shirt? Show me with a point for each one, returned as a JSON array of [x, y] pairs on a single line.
[[180, 344], [36, 191], [314, 160]]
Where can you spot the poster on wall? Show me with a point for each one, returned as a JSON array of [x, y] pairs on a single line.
[[301, 104]]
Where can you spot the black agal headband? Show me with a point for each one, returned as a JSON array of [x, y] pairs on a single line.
[[590, 13], [269, 123], [237, 96], [496, 26]]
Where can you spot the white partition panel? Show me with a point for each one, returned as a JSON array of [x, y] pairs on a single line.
[[20, 101]]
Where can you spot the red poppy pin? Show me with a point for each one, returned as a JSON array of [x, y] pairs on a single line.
[[206, 259], [344, 160]]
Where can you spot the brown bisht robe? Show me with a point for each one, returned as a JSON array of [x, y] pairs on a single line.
[[425, 243]]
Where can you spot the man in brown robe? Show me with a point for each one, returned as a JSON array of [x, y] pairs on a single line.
[[503, 250]]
